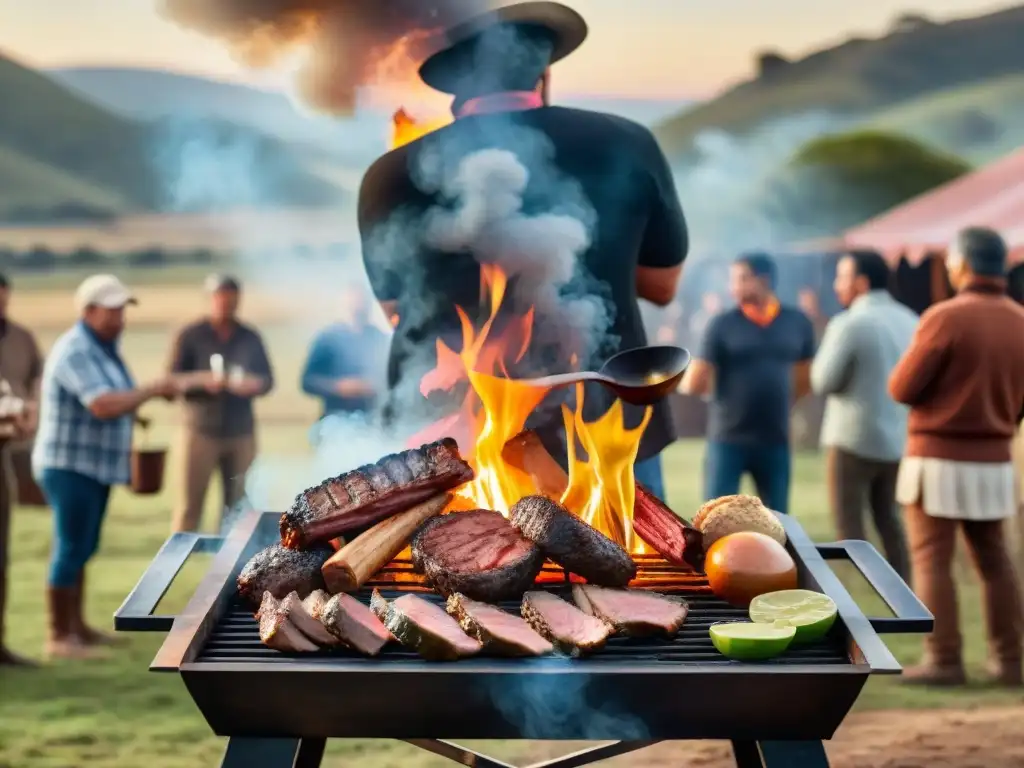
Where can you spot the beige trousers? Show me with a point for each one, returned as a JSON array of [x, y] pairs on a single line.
[[200, 455]]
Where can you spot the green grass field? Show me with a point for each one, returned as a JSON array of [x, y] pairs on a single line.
[[115, 714]]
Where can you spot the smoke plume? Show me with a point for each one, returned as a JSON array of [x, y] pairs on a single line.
[[344, 44]]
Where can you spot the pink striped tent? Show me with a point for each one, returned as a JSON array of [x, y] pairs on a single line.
[[992, 196]]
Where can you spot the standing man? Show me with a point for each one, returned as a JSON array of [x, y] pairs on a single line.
[[963, 378], [755, 362], [20, 368], [494, 66], [864, 430], [83, 448], [219, 427], [345, 367]]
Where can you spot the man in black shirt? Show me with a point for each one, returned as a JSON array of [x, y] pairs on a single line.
[[605, 170]]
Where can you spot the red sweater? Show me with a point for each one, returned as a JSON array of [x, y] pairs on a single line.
[[963, 376]]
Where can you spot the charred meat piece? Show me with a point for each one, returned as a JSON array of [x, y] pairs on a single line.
[[373, 492], [571, 543], [354, 624], [477, 553], [301, 619], [570, 630], [425, 628], [632, 612], [501, 633], [277, 632], [279, 571]]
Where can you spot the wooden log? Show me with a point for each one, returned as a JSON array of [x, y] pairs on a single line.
[[353, 565], [527, 453]]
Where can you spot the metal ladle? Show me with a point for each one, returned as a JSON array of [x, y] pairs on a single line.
[[639, 376]]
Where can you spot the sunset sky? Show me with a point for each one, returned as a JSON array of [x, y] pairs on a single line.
[[652, 48]]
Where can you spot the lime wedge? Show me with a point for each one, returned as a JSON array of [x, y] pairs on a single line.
[[751, 642], [812, 614]]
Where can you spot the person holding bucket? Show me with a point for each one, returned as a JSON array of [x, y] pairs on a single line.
[[83, 447]]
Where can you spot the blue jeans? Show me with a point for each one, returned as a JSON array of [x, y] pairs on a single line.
[[648, 474], [79, 504], [768, 465]]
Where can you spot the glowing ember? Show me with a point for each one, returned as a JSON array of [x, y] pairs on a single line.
[[601, 488]]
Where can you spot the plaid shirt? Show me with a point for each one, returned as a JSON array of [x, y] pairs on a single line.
[[78, 370]]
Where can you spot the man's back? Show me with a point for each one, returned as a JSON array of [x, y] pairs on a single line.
[[860, 348], [964, 377], [603, 170]]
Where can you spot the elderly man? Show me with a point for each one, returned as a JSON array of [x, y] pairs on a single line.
[[755, 362], [963, 378], [83, 449], [228, 360], [20, 368], [864, 430], [494, 66]]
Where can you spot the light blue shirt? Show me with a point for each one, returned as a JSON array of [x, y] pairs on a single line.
[[860, 348]]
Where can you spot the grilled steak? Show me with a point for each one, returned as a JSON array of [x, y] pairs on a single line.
[[301, 619], [354, 624], [570, 630], [571, 543], [373, 492], [501, 633], [632, 612], [379, 606], [315, 602], [425, 628], [277, 632], [478, 553], [279, 571]]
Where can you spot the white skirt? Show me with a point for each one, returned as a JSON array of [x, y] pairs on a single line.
[[958, 490]]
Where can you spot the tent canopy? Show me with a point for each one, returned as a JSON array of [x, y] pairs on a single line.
[[992, 196]]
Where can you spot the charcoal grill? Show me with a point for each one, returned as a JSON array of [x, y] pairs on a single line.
[[278, 710]]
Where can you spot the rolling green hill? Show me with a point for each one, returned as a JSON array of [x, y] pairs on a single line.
[[860, 77], [59, 151]]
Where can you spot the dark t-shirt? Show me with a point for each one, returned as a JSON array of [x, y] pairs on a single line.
[[754, 375], [613, 165]]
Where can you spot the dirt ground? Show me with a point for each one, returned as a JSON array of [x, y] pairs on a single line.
[[980, 738]]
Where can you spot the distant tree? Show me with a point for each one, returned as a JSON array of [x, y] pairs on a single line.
[[910, 22], [146, 257], [770, 63], [86, 257], [38, 259], [836, 182]]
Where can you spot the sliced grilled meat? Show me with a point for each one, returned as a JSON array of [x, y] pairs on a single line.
[[301, 619], [478, 554], [380, 607], [373, 492], [632, 612], [501, 633], [571, 543], [315, 602], [279, 571], [426, 628], [570, 630], [277, 632], [354, 624]]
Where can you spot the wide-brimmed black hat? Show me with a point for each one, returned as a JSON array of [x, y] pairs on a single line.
[[445, 67]]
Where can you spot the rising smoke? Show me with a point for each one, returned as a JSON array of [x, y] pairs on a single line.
[[343, 44]]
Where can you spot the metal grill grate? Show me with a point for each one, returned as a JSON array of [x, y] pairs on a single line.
[[236, 637]]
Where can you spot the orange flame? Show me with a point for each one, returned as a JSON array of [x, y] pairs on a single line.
[[406, 129], [601, 487]]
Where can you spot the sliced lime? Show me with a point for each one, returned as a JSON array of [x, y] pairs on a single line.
[[812, 614], [751, 642]]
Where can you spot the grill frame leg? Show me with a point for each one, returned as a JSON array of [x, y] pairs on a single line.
[[780, 754], [273, 753]]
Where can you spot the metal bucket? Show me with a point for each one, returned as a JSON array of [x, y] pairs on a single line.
[[148, 470]]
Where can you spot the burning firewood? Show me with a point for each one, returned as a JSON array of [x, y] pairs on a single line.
[[670, 536]]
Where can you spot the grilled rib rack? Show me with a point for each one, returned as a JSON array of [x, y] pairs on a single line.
[[279, 709]]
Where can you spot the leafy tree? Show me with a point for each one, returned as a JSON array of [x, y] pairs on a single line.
[[838, 181]]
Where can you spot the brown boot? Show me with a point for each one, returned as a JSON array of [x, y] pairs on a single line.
[[931, 674], [63, 642], [8, 658], [88, 635]]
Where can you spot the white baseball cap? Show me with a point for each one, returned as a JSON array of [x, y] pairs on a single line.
[[105, 291]]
